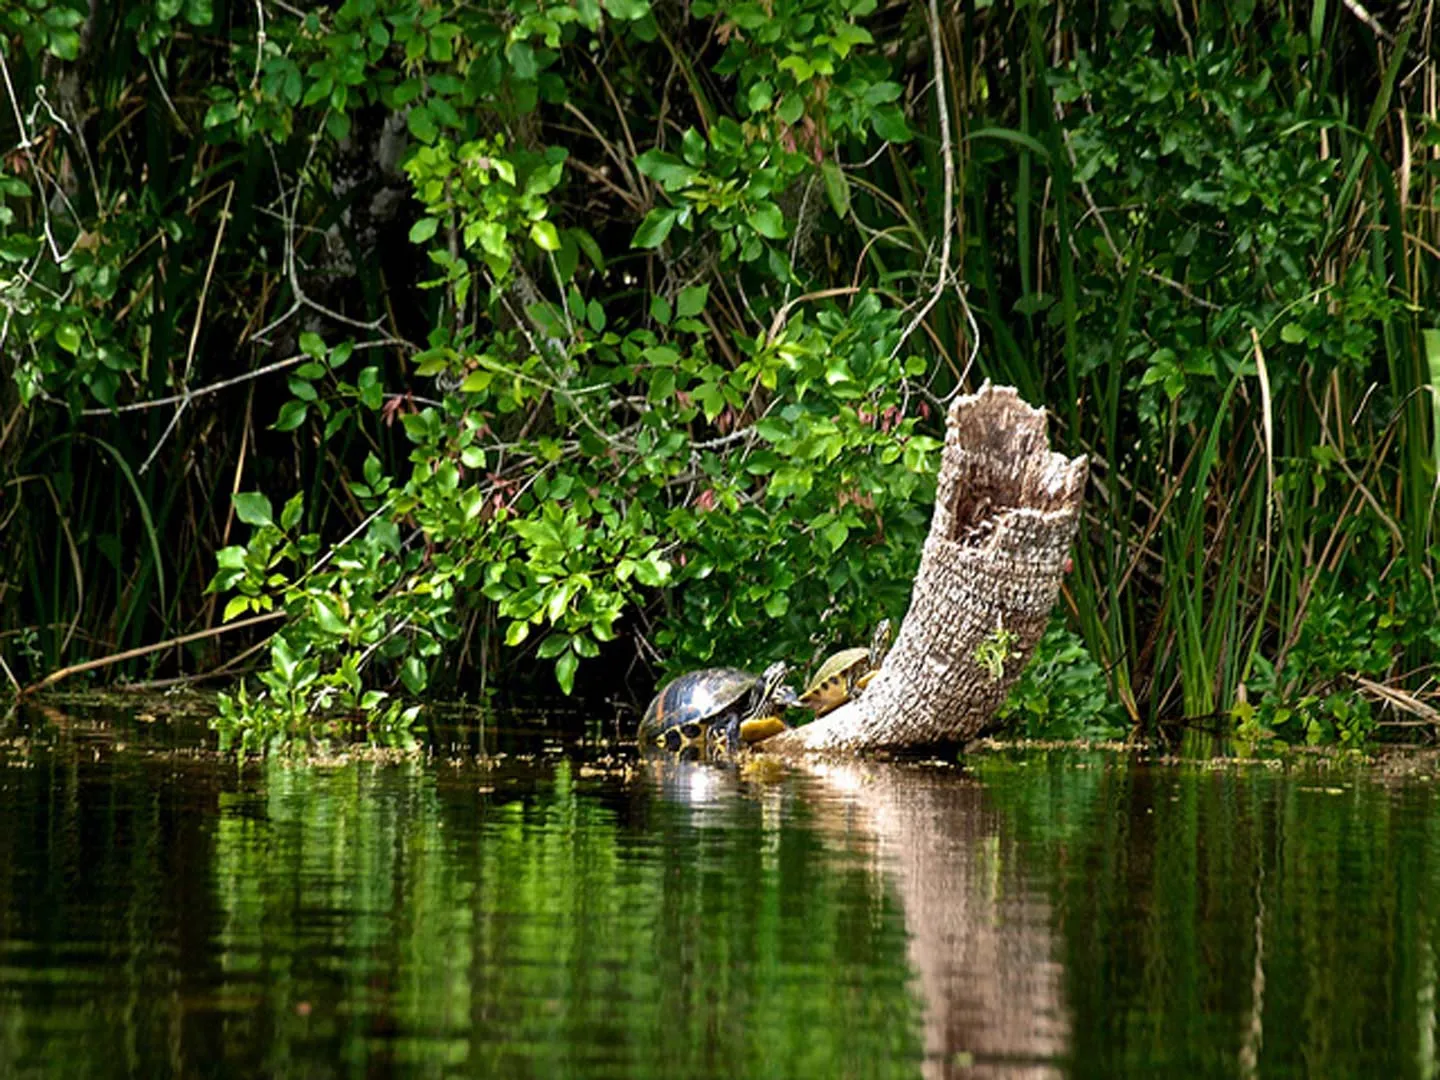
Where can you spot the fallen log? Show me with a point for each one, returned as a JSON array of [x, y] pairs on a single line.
[[1006, 510]]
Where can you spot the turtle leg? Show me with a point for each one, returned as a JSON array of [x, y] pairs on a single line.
[[732, 734]]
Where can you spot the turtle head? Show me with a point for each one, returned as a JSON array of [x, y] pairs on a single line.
[[772, 686], [880, 642]]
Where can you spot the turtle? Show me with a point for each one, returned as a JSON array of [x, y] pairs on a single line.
[[722, 703], [846, 673]]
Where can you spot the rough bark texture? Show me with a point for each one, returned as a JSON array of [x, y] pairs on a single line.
[[1006, 509]]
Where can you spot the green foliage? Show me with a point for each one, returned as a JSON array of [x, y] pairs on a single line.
[[1244, 369], [1062, 693], [544, 352], [42, 26]]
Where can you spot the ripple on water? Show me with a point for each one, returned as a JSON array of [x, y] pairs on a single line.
[[1035, 914]]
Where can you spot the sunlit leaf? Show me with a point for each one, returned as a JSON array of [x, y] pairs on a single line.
[[768, 221], [253, 508], [545, 236]]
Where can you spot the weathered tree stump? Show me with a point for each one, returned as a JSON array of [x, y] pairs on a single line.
[[1006, 510]]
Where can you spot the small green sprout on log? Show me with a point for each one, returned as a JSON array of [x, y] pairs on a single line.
[[994, 649]]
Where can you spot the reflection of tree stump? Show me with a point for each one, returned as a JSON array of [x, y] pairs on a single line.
[[982, 949], [1006, 509]]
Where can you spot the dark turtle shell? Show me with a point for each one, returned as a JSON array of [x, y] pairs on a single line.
[[686, 708]]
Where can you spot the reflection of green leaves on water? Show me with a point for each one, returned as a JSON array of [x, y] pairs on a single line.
[[1215, 913], [533, 932]]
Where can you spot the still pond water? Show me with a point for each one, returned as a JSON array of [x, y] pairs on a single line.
[[563, 910]]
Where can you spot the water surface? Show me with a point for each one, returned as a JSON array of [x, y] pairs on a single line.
[[566, 910]]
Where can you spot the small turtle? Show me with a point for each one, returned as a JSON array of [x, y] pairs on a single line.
[[724, 703], [846, 673]]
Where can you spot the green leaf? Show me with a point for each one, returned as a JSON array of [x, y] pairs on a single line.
[[545, 236], [660, 310], [477, 381], [544, 179], [302, 389], [328, 619], [655, 228], [768, 221], [772, 429], [692, 145], [565, 671], [553, 646], [292, 415], [837, 188], [423, 229], [238, 605], [252, 507], [1292, 333], [711, 399], [587, 244], [798, 66], [293, 509], [665, 169], [692, 301], [652, 571], [64, 44], [522, 61], [231, 558], [222, 112], [414, 675], [760, 97], [630, 11], [881, 93], [312, 344], [67, 336], [472, 501], [595, 316], [889, 123], [421, 124]]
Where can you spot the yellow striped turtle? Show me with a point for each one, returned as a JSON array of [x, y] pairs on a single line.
[[846, 673], [716, 704]]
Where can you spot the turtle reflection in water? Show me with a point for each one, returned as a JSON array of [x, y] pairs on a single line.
[[720, 708], [846, 673]]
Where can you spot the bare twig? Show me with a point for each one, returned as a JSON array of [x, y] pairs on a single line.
[[145, 650], [225, 384], [777, 324], [947, 155], [259, 43], [10, 675]]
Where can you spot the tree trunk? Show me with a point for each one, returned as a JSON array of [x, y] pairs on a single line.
[[1006, 510]]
